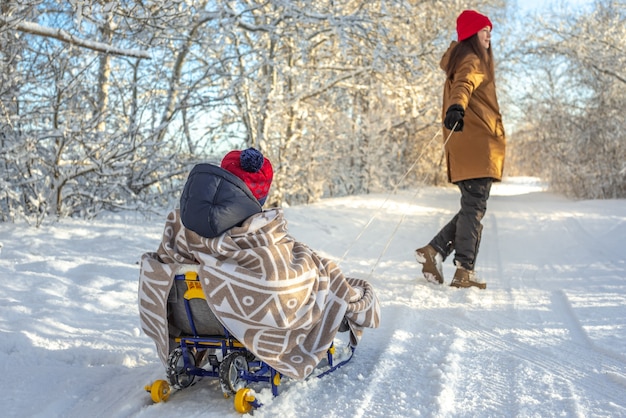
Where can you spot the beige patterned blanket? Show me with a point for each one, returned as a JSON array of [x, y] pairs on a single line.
[[275, 295]]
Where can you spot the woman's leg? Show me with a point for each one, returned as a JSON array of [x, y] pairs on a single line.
[[474, 196], [443, 242]]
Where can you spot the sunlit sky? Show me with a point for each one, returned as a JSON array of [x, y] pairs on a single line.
[[537, 5]]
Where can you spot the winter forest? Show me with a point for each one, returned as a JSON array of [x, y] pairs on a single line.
[[106, 105]]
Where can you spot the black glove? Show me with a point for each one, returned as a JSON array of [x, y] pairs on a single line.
[[454, 115]]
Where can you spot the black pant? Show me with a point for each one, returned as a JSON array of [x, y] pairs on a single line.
[[462, 233]]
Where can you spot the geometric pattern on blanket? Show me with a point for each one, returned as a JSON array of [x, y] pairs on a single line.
[[279, 298]]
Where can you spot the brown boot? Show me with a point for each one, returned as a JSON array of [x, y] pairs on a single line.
[[431, 262], [466, 278]]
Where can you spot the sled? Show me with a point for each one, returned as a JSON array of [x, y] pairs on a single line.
[[206, 349]]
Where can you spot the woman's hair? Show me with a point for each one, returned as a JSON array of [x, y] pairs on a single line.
[[467, 46]]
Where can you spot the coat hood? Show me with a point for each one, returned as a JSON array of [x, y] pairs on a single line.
[[215, 200], [445, 59]]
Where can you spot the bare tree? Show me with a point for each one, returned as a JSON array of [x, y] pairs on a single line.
[[571, 135], [117, 100]]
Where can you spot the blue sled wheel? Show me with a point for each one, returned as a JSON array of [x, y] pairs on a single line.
[[232, 371], [177, 368]]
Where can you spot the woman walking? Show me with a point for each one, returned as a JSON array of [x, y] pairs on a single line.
[[474, 152]]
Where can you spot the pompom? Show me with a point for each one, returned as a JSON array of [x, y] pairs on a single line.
[[251, 160]]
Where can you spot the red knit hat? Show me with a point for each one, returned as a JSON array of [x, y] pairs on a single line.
[[470, 23], [253, 168]]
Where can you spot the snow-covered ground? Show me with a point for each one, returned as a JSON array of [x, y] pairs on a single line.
[[547, 338]]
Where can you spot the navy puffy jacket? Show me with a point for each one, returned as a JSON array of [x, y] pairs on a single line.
[[215, 200]]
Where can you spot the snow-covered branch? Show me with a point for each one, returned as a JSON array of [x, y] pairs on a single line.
[[61, 35]]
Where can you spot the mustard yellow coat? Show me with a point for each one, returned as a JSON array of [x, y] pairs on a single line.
[[477, 151]]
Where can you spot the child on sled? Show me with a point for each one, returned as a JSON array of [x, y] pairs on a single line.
[[275, 295]]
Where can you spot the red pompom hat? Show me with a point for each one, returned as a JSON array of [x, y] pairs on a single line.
[[253, 168], [470, 23]]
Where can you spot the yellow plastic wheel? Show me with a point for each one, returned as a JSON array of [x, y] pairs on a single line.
[[159, 391], [243, 400]]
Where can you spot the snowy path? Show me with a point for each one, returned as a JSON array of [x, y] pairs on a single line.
[[546, 338]]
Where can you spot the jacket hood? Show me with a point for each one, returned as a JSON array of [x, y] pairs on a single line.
[[215, 200], [446, 56]]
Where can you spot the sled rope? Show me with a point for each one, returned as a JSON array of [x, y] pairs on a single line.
[[417, 160], [388, 243]]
